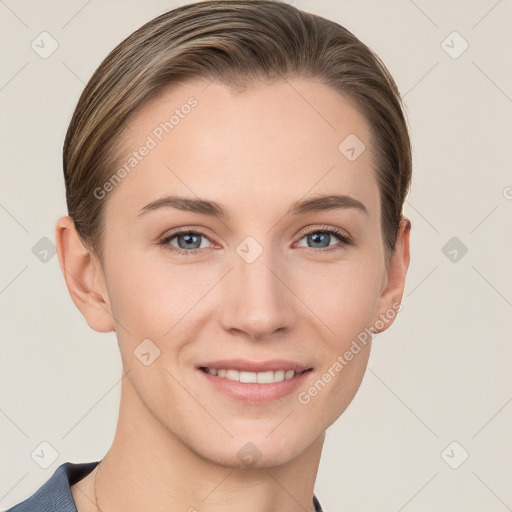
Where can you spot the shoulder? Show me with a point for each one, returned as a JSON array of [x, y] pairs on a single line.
[[55, 494]]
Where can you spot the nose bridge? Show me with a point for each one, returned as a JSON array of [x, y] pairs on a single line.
[[256, 302]]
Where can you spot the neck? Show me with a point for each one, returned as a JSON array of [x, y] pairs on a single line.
[[148, 467]]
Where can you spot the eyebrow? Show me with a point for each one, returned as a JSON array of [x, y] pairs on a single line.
[[301, 207]]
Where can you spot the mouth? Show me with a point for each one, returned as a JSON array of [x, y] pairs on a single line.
[[255, 382]]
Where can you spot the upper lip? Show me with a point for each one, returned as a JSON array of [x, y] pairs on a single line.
[[255, 366]]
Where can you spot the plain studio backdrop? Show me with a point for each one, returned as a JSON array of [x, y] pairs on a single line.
[[429, 428]]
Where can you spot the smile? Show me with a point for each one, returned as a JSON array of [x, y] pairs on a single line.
[[254, 383]]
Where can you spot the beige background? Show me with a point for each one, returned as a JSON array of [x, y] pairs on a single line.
[[440, 374]]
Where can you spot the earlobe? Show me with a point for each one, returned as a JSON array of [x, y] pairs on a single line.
[[84, 277], [391, 296]]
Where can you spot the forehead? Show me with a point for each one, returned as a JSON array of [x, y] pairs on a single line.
[[271, 144]]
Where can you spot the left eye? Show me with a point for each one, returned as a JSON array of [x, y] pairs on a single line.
[[319, 237], [189, 242]]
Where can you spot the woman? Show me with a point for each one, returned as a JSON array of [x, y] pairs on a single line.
[[235, 174]]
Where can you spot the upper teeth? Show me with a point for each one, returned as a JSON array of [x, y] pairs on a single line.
[[258, 377]]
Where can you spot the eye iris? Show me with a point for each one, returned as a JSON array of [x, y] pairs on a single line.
[[319, 238], [190, 238]]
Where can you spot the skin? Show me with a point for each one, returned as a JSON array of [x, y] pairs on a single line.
[[255, 153]]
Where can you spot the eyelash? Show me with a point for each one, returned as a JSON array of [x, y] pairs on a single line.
[[344, 240]]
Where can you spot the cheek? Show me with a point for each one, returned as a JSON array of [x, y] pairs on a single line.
[[160, 301], [143, 288], [345, 304], [344, 296]]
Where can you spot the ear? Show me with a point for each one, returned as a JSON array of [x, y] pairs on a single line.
[[394, 282], [84, 277]]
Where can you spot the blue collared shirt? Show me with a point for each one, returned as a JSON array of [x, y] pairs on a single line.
[[55, 495]]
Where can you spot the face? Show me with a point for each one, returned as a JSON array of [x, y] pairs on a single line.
[[267, 285]]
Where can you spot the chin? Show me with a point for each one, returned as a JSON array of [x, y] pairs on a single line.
[[258, 451]]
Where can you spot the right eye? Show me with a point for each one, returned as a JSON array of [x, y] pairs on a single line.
[[189, 242]]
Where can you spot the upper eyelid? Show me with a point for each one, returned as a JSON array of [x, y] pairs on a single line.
[[330, 229]]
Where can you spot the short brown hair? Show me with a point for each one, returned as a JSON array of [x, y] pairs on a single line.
[[234, 42]]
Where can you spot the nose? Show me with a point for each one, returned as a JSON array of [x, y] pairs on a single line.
[[257, 299]]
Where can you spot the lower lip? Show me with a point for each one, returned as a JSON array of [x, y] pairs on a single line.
[[252, 392]]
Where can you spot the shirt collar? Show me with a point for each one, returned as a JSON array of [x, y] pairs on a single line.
[[55, 494]]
